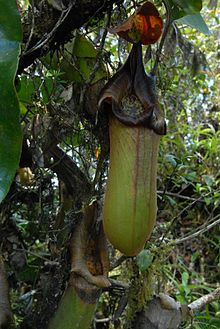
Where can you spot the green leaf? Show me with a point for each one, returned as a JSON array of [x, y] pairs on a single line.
[[10, 131], [78, 61], [209, 180], [72, 312], [170, 158], [195, 21], [189, 6], [28, 274], [181, 8], [185, 279], [82, 47], [26, 90], [144, 260]]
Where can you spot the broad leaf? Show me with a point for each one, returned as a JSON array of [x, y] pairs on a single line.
[[144, 260], [189, 6], [196, 21], [29, 87], [183, 8], [77, 62], [10, 131]]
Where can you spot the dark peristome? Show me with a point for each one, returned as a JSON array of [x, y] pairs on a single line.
[[132, 95]]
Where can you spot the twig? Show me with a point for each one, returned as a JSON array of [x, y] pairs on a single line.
[[201, 231], [50, 262], [169, 180], [115, 284], [95, 14], [103, 320], [32, 26], [204, 300], [184, 197], [176, 217], [163, 38], [121, 307], [49, 35], [194, 201], [118, 262], [98, 58]]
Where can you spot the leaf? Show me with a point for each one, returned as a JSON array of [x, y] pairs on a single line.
[[184, 8], [145, 25], [144, 260], [82, 47], [185, 279], [209, 180], [28, 274], [77, 62], [10, 131], [189, 6], [28, 88], [72, 312], [195, 21], [170, 158]]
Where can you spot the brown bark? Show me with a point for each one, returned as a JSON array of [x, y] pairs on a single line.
[[68, 172], [5, 312], [164, 312]]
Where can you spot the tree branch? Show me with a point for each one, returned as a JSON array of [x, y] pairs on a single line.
[[53, 28], [216, 221], [67, 171], [204, 300], [163, 312], [163, 38]]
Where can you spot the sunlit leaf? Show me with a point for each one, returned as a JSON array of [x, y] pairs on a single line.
[[196, 21], [185, 278], [187, 12], [10, 131], [77, 62]]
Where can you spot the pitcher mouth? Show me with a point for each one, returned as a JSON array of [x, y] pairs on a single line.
[[131, 95]]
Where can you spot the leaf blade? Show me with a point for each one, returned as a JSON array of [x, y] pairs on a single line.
[[10, 131], [195, 21]]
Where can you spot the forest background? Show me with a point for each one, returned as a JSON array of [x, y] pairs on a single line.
[[67, 55]]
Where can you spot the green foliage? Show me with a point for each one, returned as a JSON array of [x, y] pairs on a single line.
[[188, 168], [189, 287], [183, 8], [187, 12], [72, 312], [10, 132], [144, 260], [189, 6], [29, 87], [195, 21], [78, 61]]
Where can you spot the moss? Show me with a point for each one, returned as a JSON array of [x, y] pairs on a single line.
[[145, 284]]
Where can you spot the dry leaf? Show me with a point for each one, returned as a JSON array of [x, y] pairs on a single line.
[[144, 26]]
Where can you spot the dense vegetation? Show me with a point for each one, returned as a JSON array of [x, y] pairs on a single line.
[[65, 155]]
